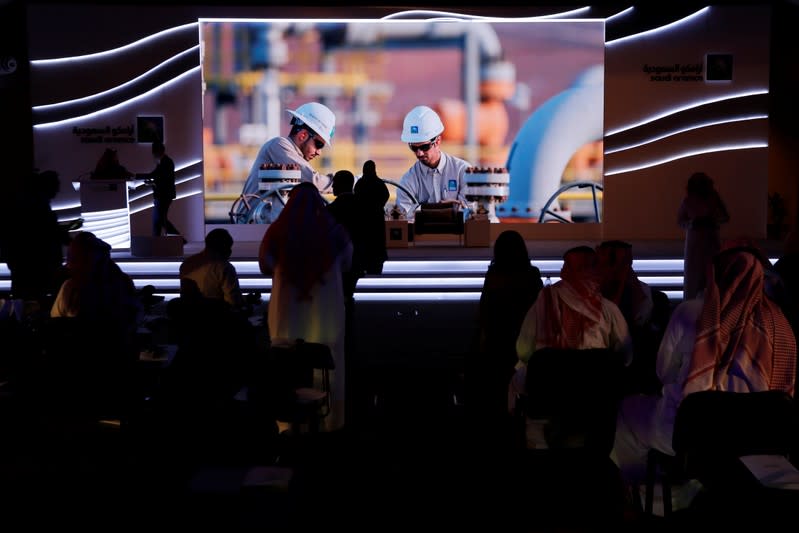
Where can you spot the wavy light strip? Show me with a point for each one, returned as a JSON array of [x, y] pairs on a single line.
[[566, 14], [147, 191], [106, 214], [620, 14], [428, 13], [179, 197], [65, 206], [683, 130], [661, 29], [691, 105], [105, 53], [687, 154], [118, 88], [123, 105]]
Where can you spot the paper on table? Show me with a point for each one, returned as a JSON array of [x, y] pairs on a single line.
[[272, 476], [773, 471]]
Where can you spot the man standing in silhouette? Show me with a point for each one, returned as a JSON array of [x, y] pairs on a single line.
[[163, 182]]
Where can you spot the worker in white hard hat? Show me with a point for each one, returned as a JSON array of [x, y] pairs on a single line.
[[312, 128], [436, 177]]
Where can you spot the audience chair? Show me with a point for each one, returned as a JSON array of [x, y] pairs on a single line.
[[86, 366], [573, 396], [712, 430], [300, 397], [576, 393]]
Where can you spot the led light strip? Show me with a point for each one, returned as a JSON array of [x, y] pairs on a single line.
[[620, 14], [660, 29], [575, 13], [686, 129], [688, 153], [679, 109], [132, 102], [412, 267], [146, 40], [372, 285], [387, 297], [110, 92]]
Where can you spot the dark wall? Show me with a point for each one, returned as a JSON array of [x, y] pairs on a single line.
[[15, 131]]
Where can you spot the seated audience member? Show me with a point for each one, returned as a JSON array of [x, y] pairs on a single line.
[[702, 349], [102, 300], [194, 404], [511, 286], [96, 287], [620, 284], [571, 313], [209, 273]]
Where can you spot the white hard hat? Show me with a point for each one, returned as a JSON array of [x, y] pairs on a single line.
[[420, 125], [318, 117]]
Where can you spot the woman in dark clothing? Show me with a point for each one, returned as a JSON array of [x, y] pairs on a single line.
[[372, 194], [511, 286]]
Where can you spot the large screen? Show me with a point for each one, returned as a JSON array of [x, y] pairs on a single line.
[[521, 95]]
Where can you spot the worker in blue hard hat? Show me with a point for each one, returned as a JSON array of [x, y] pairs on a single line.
[[436, 177]]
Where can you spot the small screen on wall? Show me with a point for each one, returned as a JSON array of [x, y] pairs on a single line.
[[149, 129], [719, 67]]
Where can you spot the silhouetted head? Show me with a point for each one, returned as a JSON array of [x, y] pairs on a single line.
[[219, 242], [615, 253], [580, 263], [699, 184], [369, 168], [86, 252], [343, 181], [158, 149], [510, 250], [47, 183]]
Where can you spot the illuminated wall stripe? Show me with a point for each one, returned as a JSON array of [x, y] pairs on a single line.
[[188, 57], [435, 14], [129, 103], [687, 153], [619, 15], [109, 53], [692, 105], [194, 192], [686, 129], [662, 29]]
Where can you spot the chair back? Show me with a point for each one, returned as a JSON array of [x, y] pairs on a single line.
[[86, 366], [578, 392], [713, 426], [292, 368]]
